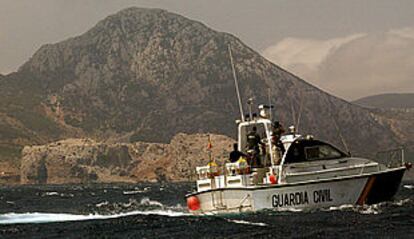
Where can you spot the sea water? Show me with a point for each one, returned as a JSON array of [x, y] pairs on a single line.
[[158, 211]]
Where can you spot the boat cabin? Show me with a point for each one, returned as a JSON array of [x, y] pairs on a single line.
[[272, 160], [308, 149]]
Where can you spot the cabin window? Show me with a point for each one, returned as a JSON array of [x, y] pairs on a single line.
[[321, 152], [310, 150]]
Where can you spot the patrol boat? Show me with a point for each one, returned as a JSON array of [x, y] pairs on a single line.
[[309, 174], [292, 172]]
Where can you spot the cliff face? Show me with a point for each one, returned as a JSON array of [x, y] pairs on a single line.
[[85, 161], [148, 74]]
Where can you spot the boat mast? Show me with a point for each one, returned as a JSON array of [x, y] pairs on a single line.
[[237, 84], [300, 112], [270, 104], [338, 130]]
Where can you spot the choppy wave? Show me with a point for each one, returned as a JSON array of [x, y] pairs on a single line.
[[37, 217], [261, 224], [132, 192], [68, 195], [101, 210], [291, 209], [368, 209], [137, 190], [144, 204], [51, 193], [408, 186]]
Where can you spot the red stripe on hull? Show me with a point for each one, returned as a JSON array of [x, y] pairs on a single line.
[[365, 192]]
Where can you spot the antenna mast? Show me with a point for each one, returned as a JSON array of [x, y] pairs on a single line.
[[237, 84], [270, 103], [336, 126], [300, 112]]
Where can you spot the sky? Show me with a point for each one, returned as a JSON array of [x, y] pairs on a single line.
[[350, 48]]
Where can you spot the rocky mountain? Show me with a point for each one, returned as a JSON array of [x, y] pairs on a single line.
[[388, 101], [148, 74], [400, 121], [396, 110]]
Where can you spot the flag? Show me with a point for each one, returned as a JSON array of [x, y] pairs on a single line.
[[209, 145]]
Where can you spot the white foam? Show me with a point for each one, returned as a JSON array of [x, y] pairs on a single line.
[[261, 224], [340, 208], [57, 194], [290, 209], [149, 202], [365, 209], [51, 193], [104, 203], [132, 192], [402, 202], [373, 209], [37, 217], [408, 186]]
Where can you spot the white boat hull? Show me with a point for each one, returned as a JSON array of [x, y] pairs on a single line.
[[358, 189]]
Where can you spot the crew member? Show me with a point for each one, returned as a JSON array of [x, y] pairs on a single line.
[[277, 131], [236, 154], [278, 148], [253, 141]]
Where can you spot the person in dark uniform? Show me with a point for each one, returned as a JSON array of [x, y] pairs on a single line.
[[236, 154], [279, 148], [253, 146], [277, 131]]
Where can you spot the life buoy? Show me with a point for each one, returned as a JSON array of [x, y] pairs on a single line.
[[273, 179], [193, 203]]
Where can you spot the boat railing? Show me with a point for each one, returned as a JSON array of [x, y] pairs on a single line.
[[230, 175], [207, 172], [392, 158], [230, 169], [238, 168]]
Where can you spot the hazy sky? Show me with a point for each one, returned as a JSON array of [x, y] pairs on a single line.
[[350, 48]]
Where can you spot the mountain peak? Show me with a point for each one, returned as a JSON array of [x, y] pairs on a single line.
[[123, 35], [134, 18]]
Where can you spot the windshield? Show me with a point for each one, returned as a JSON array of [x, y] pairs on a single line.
[[310, 150]]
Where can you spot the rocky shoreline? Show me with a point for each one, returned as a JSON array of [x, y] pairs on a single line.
[[84, 160], [88, 161]]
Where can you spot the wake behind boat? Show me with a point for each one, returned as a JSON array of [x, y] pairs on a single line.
[[277, 170]]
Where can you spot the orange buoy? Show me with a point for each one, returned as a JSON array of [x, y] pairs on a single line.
[[273, 179], [193, 203]]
